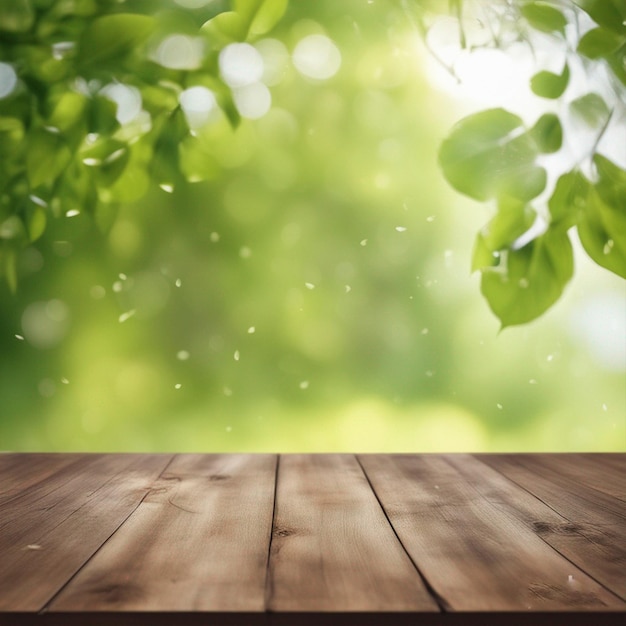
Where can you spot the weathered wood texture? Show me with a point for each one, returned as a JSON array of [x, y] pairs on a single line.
[[260, 538]]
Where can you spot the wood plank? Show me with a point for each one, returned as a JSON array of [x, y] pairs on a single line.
[[332, 547], [466, 528], [19, 472], [198, 542], [592, 532], [48, 532]]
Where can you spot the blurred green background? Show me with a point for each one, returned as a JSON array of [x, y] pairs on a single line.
[[314, 295]]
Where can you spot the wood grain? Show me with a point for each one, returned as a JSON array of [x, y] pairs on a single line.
[[332, 547], [592, 532], [50, 531], [198, 542], [461, 522]]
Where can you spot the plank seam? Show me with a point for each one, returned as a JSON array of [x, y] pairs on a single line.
[[442, 603], [269, 587], [46, 606], [566, 518]]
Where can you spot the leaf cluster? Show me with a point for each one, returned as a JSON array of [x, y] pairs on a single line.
[[64, 146], [524, 253]]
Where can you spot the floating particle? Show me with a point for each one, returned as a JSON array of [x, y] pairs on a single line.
[[236, 355], [499, 405], [532, 381], [424, 331], [182, 355], [245, 252], [117, 286], [33, 546], [436, 486], [304, 384], [214, 237], [605, 407], [72, 213], [125, 316], [177, 386], [363, 242], [348, 289], [309, 285], [430, 218], [550, 357], [401, 229], [167, 188], [570, 579], [65, 381], [19, 337], [122, 276], [229, 429], [178, 282], [251, 330]]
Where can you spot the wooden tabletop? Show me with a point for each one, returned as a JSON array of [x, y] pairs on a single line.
[[423, 539]]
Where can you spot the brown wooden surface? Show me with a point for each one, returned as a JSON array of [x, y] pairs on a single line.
[[266, 539]]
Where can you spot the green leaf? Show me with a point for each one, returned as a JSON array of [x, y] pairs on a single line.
[[8, 265], [511, 221], [549, 85], [11, 135], [112, 37], [612, 182], [529, 280], [101, 116], [608, 13], [488, 154], [260, 15], [599, 43], [107, 157], [591, 109], [35, 218], [569, 198], [46, 157], [16, 16], [602, 232], [544, 17], [68, 111], [548, 133], [225, 28]]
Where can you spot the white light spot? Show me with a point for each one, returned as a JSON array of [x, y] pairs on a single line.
[[550, 357], [214, 237], [309, 285], [252, 101], [251, 330], [117, 286], [128, 100], [532, 381], [167, 187], [363, 242], [122, 276], [430, 218], [229, 429], [499, 405], [240, 65], [605, 407], [8, 79], [38, 201], [178, 282], [126, 316], [424, 331], [182, 355], [348, 289], [316, 56], [177, 386], [34, 546], [180, 52], [275, 60], [61, 49], [72, 213], [65, 381], [304, 384], [401, 229], [19, 337], [197, 103], [236, 355], [570, 579]]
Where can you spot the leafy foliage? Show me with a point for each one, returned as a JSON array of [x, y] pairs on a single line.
[[65, 147], [524, 253]]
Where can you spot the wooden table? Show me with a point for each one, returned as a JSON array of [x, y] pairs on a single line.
[[221, 539]]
